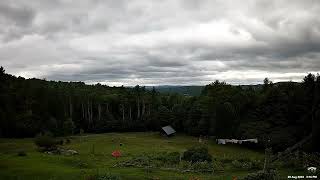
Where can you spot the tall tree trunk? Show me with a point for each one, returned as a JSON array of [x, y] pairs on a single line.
[[99, 112], [143, 107], [88, 114], [83, 112], [122, 112], [316, 131], [130, 112], [138, 108], [65, 109], [70, 107], [315, 117], [91, 113]]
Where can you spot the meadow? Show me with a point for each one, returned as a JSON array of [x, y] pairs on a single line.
[[95, 158]]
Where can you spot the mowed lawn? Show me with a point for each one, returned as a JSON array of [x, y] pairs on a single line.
[[95, 157]]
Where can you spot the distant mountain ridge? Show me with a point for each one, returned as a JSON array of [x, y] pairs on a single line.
[[196, 90]]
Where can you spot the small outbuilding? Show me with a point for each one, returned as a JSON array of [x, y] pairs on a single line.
[[167, 131]]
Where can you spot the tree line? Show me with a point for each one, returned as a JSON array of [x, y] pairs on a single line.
[[278, 113]]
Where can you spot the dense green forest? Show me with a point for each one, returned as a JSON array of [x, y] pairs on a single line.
[[182, 90], [278, 113]]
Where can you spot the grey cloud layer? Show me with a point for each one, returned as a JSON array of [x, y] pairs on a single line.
[[160, 42]]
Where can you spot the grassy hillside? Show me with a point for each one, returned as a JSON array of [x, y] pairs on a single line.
[[95, 157]]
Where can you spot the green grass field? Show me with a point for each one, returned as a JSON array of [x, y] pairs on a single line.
[[95, 157]]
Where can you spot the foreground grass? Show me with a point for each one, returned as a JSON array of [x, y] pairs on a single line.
[[95, 157]]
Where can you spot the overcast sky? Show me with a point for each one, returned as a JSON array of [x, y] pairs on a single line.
[[160, 42]]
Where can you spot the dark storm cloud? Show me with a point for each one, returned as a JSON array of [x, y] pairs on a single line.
[[17, 14], [160, 42], [15, 19]]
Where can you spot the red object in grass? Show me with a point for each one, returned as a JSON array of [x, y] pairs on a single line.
[[116, 154]]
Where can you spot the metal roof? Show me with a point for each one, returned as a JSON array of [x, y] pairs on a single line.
[[168, 130]]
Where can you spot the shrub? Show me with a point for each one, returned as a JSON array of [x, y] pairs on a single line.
[[242, 165], [295, 161], [102, 177], [218, 165], [262, 175], [172, 157], [197, 154], [256, 164], [247, 164], [139, 161], [46, 141], [185, 165], [202, 167], [165, 159]]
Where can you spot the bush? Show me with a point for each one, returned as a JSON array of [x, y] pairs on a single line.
[[218, 165], [46, 141], [247, 164], [172, 157], [197, 154], [202, 167], [262, 175], [165, 159], [295, 161], [139, 161], [102, 177], [185, 165]]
